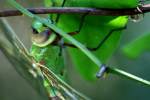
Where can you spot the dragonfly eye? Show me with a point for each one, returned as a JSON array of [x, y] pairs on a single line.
[[34, 31], [41, 37]]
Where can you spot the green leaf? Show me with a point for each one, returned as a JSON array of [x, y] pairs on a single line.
[[137, 46]]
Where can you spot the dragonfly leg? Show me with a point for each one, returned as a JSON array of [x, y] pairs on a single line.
[[55, 20], [58, 15], [64, 45], [51, 15], [69, 45], [105, 39], [80, 25]]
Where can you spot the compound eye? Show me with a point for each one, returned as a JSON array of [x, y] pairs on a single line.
[[41, 37], [34, 31]]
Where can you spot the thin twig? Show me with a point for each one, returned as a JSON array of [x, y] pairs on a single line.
[[79, 10]]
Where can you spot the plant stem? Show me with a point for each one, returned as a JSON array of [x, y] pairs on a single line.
[[78, 44], [80, 10], [124, 74]]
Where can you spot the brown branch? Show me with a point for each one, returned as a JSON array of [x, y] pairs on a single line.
[[79, 10]]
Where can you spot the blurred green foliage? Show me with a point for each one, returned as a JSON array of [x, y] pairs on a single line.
[[138, 46]]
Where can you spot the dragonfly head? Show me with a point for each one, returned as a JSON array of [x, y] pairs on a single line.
[[42, 35]]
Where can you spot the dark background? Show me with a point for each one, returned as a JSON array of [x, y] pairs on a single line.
[[13, 87]]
